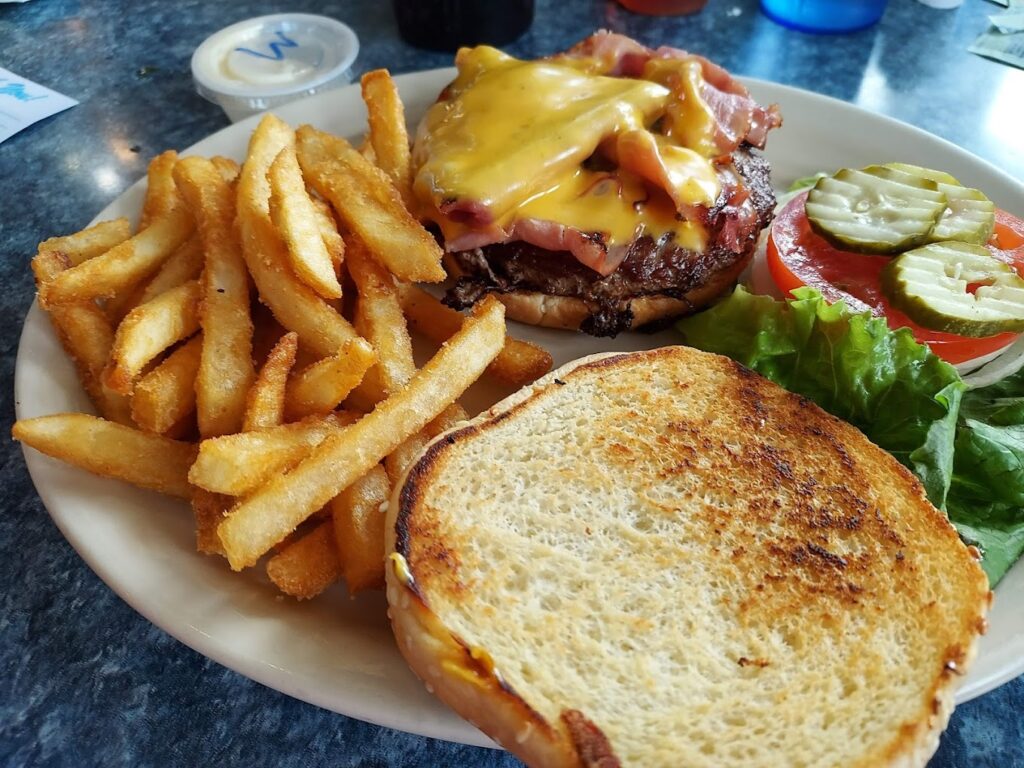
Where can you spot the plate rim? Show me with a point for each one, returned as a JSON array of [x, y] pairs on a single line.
[[263, 672]]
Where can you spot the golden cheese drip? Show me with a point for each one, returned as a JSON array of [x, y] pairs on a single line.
[[509, 139]]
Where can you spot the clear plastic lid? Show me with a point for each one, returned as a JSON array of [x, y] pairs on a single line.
[[260, 63]]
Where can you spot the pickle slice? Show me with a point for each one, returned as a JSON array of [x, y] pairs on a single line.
[[956, 288], [875, 210], [970, 216], [940, 177]]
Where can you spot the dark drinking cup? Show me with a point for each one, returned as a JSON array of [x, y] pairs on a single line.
[[446, 25]]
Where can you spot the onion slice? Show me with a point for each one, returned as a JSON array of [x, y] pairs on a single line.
[[1006, 363]]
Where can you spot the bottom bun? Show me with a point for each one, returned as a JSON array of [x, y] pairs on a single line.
[[569, 312]]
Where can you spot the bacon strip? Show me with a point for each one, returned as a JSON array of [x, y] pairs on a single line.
[[549, 235], [617, 55], [738, 117], [738, 214], [641, 153], [732, 209]]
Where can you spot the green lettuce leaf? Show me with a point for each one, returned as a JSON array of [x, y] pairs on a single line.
[[996, 529], [805, 182], [991, 459], [986, 499], [797, 187], [1001, 404]]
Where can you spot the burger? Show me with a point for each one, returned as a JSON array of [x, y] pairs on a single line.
[[602, 189]]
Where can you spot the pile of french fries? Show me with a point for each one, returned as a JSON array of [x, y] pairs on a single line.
[[248, 348]]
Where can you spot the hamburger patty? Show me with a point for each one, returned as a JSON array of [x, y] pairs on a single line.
[[650, 267]]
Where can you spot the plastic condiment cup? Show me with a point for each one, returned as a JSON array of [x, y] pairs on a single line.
[[261, 63]]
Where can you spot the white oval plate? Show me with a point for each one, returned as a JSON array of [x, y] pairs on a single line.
[[335, 652]]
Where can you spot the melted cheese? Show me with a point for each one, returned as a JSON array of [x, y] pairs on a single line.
[[401, 569], [509, 138], [618, 207], [685, 175], [688, 118]]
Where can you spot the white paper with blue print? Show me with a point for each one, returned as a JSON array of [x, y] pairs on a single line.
[[23, 102]]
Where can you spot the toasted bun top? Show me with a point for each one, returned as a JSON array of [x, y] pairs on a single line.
[[663, 559]]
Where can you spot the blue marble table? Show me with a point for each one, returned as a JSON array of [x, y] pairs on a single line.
[[86, 681]]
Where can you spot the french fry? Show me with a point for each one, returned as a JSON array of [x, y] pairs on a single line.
[[368, 205], [320, 387], [449, 417], [519, 363], [57, 254], [264, 405], [366, 150], [329, 233], [148, 330], [225, 368], [186, 263], [388, 135], [161, 192], [82, 327], [370, 391], [111, 450], [267, 516], [265, 144], [123, 266], [358, 516], [379, 317], [237, 464], [307, 566], [208, 226], [264, 409], [46, 265], [166, 395], [295, 305], [293, 214], [84, 245], [87, 336], [399, 459], [209, 510], [227, 168]]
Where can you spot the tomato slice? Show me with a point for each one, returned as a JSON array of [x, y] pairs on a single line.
[[797, 256]]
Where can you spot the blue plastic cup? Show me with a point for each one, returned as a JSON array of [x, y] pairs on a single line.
[[824, 15]]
